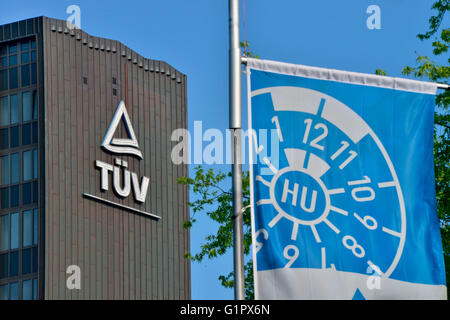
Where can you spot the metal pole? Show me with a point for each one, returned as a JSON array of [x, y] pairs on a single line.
[[235, 126]]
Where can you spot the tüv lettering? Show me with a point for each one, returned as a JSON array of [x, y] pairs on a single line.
[[122, 179]]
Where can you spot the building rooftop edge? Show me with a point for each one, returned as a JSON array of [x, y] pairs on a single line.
[[58, 25]]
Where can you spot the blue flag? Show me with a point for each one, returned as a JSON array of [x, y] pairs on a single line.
[[342, 185]]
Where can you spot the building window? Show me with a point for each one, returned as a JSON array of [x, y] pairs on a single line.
[[14, 99], [13, 60], [4, 111], [4, 170], [19, 187], [13, 78], [18, 67], [4, 292], [19, 257], [4, 234], [14, 291], [4, 139], [3, 79]]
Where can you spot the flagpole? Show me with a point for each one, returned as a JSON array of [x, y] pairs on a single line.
[[235, 128]]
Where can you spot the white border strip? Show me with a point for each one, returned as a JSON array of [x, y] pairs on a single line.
[[252, 206], [343, 76]]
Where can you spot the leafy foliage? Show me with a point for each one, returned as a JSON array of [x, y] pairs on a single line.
[[435, 21], [228, 281], [245, 45], [216, 202], [380, 72]]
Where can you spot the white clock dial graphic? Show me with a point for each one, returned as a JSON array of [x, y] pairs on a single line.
[[334, 195]]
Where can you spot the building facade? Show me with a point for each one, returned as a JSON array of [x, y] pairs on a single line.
[[88, 190]]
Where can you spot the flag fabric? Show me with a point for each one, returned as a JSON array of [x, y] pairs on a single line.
[[342, 185]]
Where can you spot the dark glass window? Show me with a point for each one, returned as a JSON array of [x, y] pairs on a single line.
[[13, 49], [35, 105], [4, 170], [14, 291], [22, 28], [27, 165], [26, 134], [35, 227], [27, 290], [4, 111], [13, 78], [26, 261], [25, 57], [3, 62], [26, 106], [25, 75], [3, 79], [7, 31], [14, 230], [35, 288], [33, 73], [14, 137], [13, 60], [14, 168], [14, 99], [33, 55], [4, 139], [25, 46], [3, 266], [4, 198], [33, 44], [4, 292], [30, 26], [14, 264], [35, 192], [35, 164], [35, 260], [4, 232], [27, 228], [15, 30], [35, 132], [26, 193], [14, 196]]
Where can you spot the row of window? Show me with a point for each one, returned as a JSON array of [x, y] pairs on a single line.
[[10, 196], [11, 266], [9, 108], [20, 58], [10, 229], [12, 60], [25, 45], [9, 55], [9, 167], [10, 137], [15, 168], [11, 291], [27, 73]]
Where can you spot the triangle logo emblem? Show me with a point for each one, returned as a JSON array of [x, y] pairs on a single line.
[[121, 146]]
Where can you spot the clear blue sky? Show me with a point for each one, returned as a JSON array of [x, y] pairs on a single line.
[[192, 36]]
